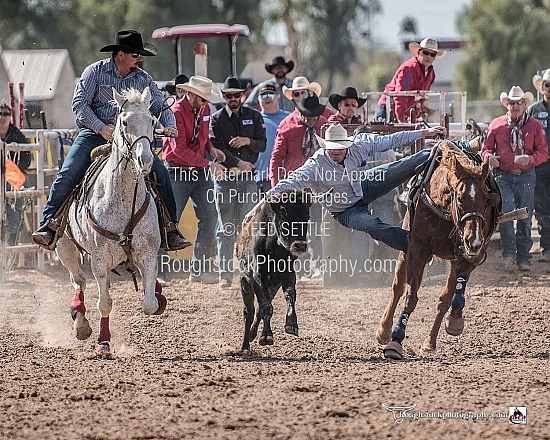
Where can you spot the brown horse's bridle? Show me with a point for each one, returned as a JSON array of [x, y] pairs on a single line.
[[458, 229]]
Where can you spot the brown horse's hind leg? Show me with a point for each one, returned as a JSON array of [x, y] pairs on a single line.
[[383, 334], [417, 260]]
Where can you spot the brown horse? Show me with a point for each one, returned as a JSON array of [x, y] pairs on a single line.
[[455, 214]]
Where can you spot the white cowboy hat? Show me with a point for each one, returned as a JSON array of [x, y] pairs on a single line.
[[538, 80], [515, 94], [336, 138], [203, 87], [302, 83], [429, 44]]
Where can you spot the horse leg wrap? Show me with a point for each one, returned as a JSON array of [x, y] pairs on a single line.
[[78, 301], [104, 333], [398, 333], [459, 300]]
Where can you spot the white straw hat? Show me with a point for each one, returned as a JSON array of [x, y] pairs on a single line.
[[203, 87]]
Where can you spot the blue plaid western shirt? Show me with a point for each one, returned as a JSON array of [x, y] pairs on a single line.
[[93, 102]]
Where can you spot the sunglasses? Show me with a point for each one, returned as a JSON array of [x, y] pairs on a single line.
[[520, 102], [546, 85], [232, 95], [298, 93], [267, 96], [135, 55], [429, 53], [5, 114]]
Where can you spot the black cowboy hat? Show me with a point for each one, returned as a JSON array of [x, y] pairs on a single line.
[[348, 92], [279, 61], [180, 79], [232, 85], [309, 106], [130, 41]]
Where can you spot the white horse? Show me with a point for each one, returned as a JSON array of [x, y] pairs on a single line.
[[116, 208]]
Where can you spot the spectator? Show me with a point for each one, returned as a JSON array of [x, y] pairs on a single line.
[[279, 68], [301, 85], [95, 116], [541, 111], [186, 162], [173, 89], [346, 104], [336, 172], [515, 145], [273, 115], [239, 132], [295, 141], [417, 73], [10, 133]]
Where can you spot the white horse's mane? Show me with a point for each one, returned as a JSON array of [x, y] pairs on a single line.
[[133, 96]]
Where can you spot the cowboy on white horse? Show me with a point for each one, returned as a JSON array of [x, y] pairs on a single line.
[[95, 116]]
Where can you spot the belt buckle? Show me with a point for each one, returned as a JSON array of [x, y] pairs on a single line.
[[516, 172]]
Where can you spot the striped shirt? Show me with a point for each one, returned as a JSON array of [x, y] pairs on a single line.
[[321, 174], [93, 102]]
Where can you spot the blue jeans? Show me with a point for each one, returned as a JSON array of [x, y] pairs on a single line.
[[517, 192], [234, 198], [542, 204], [77, 163], [384, 178], [197, 185]]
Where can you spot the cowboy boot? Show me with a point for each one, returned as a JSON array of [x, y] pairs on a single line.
[[47, 235], [171, 238]]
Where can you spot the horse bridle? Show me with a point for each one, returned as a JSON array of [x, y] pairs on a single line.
[[129, 146], [459, 228]]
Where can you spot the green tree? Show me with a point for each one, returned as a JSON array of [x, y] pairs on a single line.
[[506, 43], [328, 35], [408, 26]]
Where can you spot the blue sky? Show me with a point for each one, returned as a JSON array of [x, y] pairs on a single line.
[[434, 19]]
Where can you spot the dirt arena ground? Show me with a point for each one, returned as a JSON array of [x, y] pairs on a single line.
[[176, 376]]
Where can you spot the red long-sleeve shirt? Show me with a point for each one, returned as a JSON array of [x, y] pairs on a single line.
[[410, 75], [181, 150], [287, 151], [498, 142]]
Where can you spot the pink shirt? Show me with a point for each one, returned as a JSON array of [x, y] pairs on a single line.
[[410, 75], [498, 142], [181, 150], [287, 152]]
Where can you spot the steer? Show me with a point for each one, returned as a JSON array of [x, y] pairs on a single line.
[[269, 243]]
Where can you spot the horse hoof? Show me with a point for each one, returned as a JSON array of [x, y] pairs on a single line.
[[291, 330], [266, 340], [162, 303], [81, 326], [244, 352], [454, 326], [383, 337], [393, 351], [83, 333], [103, 349]]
